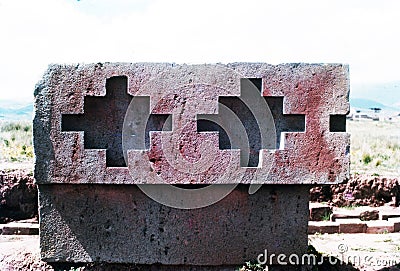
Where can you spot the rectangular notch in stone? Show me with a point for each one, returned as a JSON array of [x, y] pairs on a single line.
[[337, 123]]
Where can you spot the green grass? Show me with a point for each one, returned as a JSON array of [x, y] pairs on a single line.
[[375, 147], [349, 207], [16, 142], [326, 216]]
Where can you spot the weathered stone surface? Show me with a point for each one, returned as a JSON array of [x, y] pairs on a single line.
[[395, 213], [115, 223], [66, 155], [351, 226], [15, 228], [379, 226], [335, 216], [102, 131], [323, 227], [369, 215], [396, 223]]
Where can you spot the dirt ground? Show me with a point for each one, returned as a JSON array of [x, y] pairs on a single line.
[[366, 251], [20, 252]]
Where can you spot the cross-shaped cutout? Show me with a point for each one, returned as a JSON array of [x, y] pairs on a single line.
[[283, 122], [103, 117]]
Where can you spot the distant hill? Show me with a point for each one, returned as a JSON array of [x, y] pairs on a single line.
[[367, 104], [13, 112], [384, 93]]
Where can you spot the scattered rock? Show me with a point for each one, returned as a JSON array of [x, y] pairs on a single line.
[[369, 215]]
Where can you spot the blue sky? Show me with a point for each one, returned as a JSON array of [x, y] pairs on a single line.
[[362, 33]]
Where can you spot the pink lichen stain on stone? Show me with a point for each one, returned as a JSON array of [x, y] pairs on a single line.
[[317, 152], [189, 143], [170, 172], [184, 91], [167, 104]]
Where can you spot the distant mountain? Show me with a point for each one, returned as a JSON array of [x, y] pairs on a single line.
[[12, 112], [367, 104], [384, 93], [15, 104]]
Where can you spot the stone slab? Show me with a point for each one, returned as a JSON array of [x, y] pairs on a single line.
[[386, 216], [71, 99], [369, 215], [379, 226], [319, 211], [396, 223], [351, 226], [119, 224], [323, 227], [364, 213], [336, 216], [15, 228]]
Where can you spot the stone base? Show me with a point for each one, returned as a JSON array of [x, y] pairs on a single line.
[[120, 224]]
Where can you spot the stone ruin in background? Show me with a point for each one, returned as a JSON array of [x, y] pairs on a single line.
[[184, 165]]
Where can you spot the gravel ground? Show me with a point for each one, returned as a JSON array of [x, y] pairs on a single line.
[[366, 251], [21, 252]]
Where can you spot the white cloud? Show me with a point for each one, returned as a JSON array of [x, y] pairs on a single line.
[[364, 34]]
